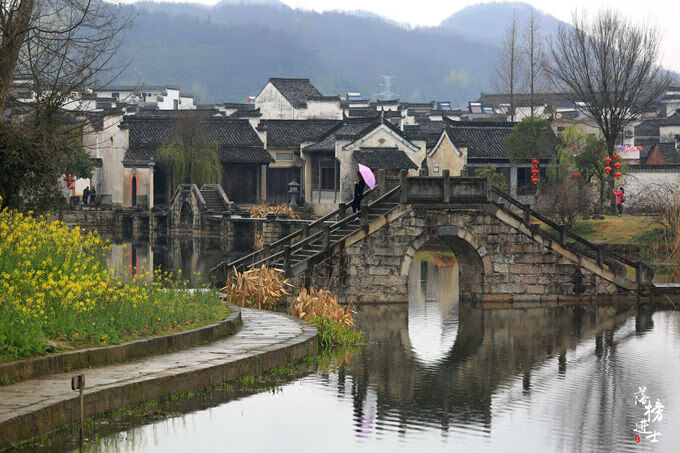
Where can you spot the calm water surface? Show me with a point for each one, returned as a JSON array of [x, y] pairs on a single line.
[[441, 375]]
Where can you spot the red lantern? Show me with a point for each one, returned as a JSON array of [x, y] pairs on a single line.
[[617, 156], [575, 175], [534, 161], [639, 148], [618, 174], [617, 165], [607, 169], [71, 187], [534, 171], [607, 159], [71, 180]]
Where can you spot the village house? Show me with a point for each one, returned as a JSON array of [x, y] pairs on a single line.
[[465, 146], [331, 164], [284, 140], [240, 151], [157, 97], [288, 98]]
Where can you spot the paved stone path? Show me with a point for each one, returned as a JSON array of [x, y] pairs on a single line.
[[262, 332]]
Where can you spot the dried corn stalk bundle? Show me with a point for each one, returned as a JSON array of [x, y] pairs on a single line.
[[261, 210], [322, 304], [261, 287]]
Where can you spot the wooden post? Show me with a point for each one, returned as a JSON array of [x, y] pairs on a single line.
[[599, 257], [403, 180], [447, 186], [526, 213], [563, 235]]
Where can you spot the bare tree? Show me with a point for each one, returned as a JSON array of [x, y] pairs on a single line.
[[534, 55], [612, 66], [63, 45], [508, 70]]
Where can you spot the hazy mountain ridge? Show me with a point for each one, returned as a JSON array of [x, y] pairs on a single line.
[[228, 51]]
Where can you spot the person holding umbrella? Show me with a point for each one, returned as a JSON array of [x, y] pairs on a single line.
[[364, 177]]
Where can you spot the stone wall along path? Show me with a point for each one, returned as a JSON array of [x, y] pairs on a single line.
[[266, 340]]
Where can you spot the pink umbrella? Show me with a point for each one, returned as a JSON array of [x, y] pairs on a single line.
[[368, 176]]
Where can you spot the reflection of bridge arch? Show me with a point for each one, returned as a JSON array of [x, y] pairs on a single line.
[[473, 261]]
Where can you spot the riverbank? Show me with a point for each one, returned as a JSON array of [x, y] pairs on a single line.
[[58, 292], [266, 340]]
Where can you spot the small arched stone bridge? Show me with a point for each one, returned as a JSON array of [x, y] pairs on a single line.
[[506, 251]]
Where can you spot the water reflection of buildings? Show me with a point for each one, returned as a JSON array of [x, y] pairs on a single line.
[[195, 256], [441, 363]]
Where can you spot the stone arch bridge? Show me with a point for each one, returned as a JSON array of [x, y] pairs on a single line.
[[506, 251]]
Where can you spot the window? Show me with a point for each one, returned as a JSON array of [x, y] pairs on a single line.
[[115, 95], [175, 104], [284, 156]]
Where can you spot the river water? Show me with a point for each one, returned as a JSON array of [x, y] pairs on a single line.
[[443, 375]]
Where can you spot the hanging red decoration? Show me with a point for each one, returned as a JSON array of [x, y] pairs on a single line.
[[617, 165], [607, 169], [617, 156], [534, 171], [575, 175], [618, 174], [607, 159], [71, 180], [639, 148], [71, 187], [534, 161]]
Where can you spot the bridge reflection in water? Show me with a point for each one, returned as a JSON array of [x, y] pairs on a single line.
[[442, 374]]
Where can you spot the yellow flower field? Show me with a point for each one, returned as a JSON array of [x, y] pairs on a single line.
[[55, 285]]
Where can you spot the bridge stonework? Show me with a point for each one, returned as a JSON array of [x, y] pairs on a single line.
[[500, 260]]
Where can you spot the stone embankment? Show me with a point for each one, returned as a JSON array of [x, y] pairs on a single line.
[[266, 340]]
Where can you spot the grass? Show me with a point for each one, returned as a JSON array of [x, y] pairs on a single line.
[[57, 293], [626, 229]]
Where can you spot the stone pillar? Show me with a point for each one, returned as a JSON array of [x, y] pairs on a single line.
[[227, 233], [513, 181], [271, 231]]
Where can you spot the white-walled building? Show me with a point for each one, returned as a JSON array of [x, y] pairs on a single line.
[[291, 99], [160, 97]]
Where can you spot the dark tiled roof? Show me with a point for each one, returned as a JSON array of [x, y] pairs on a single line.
[[296, 91], [245, 114], [430, 131], [348, 129], [484, 140], [385, 158], [673, 120], [648, 128], [667, 151], [351, 129], [237, 141], [557, 100], [296, 132]]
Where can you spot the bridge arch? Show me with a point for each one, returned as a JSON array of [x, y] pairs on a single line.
[[474, 262]]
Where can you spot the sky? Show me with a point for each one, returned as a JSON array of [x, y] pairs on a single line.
[[661, 14]]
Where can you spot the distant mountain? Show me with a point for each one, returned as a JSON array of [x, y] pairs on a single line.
[[487, 22], [227, 52]]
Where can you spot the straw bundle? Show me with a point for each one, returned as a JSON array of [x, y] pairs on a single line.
[[321, 304], [261, 210], [261, 287]]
